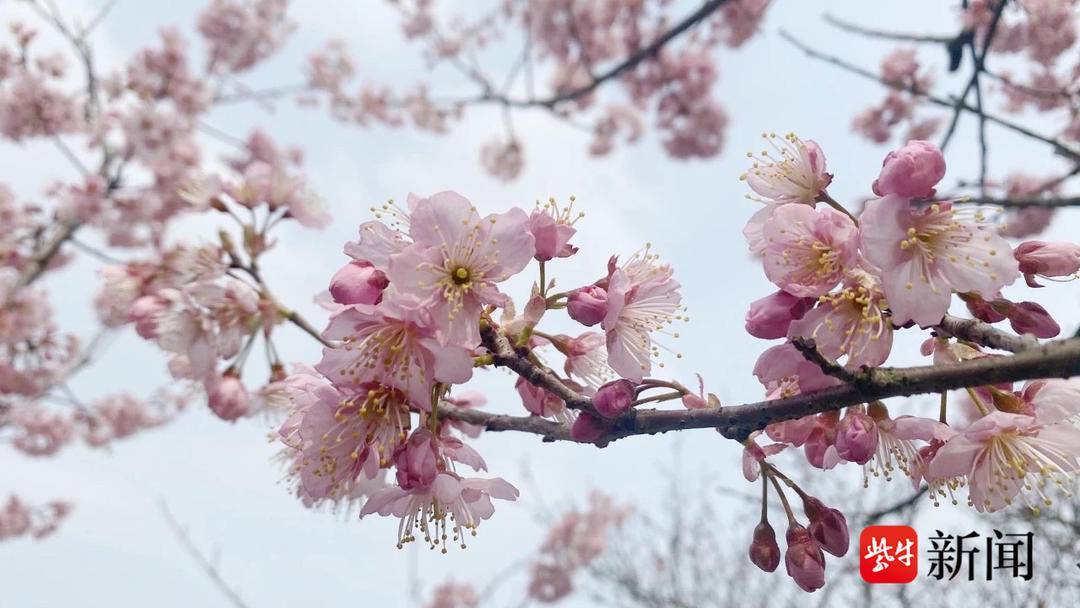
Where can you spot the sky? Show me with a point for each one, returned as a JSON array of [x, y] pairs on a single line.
[[219, 479]]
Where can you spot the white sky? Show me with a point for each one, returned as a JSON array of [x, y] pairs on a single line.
[[217, 478]]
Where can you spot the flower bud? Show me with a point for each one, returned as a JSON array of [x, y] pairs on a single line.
[[587, 305], [358, 283], [988, 312], [1048, 259], [856, 437], [804, 560], [1031, 318], [417, 460], [537, 400], [764, 551], [828, 527], [227, 397], [588, 428], [911, 171], [614, 398], [770, 317], [552, 237], [144, 313]]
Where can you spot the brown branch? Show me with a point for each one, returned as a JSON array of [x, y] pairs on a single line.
[[895, 508], [1067, 201], [1058, 146], [1059, 359], [504, 355], [853, 28], [984, 334], [646, 52], [39, 261], [207, 566], [980, 66]]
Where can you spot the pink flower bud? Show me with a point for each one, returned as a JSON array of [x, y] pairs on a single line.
[[537, 400], [417, 460], [770, 317], [828, 527], [1031, 318], [764, 551], [358, 283], [911, 171], [614, 398], [552, 236], [804, 559], [587, 305], [981, 309], [588, 428], [1048, 259], [227, 397], [144, 313], [856, 437], [820, 448]]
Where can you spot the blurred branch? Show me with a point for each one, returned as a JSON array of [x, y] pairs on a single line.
[[644, 53], [847, 26], [207, 565], [1058, 146]]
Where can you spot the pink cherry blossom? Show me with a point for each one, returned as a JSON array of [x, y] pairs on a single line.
[[856, 436], [443, 511], [586, 358], [1003, 455], [926, 254], [393, 344], [457, 260], [784, 364], [850, 322], [587, 305], [227, 397], [794, 174], [770, 317], [764, 550], [804, 560], [552, 228], [453, 595], [1038, 258], [642, 299], [807, 250], [358, 282], [912, 171], [339, 437], [614, 398]]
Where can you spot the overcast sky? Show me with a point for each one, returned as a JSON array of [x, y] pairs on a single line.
[[218, 478]]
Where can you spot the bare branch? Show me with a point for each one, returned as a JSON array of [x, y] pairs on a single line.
[[853, 28], [646, 52], [1058, 146], [1068, 201], [208, 567], [984, 334]]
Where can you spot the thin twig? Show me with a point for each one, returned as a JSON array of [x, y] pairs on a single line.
[[847, 26], [984, 334], [208, 567], [1058, 146]]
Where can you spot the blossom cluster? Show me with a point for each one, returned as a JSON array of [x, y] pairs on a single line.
[[846, 283], [570, 42], [413, 314], [1038, 40]]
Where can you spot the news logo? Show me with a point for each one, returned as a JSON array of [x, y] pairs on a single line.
[[890, 554]]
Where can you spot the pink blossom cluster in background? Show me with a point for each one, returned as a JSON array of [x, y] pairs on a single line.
[[571, 43]]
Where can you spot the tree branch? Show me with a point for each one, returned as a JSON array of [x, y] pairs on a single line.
[[1058, 146], [984, 334], [853, 28], [208, 567], [504, 355], [644, 53], [1059, 359], [1068, 201]]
